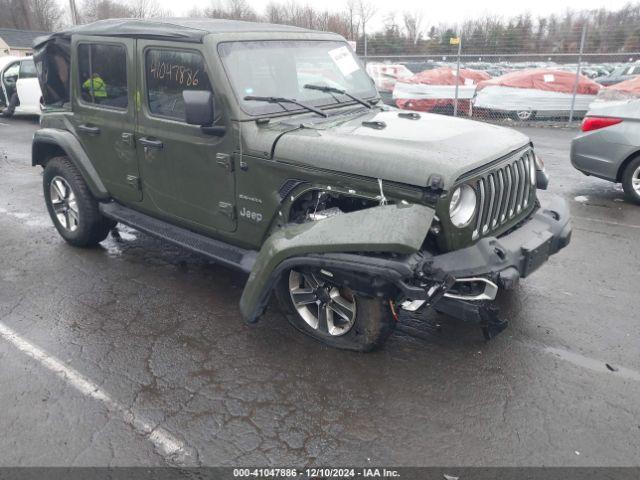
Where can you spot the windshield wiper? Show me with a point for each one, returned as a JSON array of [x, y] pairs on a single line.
[[251, 98], [327, 89]]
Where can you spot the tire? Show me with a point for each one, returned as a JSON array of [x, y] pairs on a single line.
[[73, 210], [631, 175], [372, 322]]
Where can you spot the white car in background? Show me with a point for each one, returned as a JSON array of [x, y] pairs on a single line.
[[20, 92]]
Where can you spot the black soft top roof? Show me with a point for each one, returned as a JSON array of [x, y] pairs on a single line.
[[176, 29]]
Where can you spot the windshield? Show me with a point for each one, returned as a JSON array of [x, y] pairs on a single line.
[[283, 68]]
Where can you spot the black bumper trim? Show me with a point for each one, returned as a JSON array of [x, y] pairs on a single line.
[[517, 254]]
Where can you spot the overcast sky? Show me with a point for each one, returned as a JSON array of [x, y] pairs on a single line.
[[435, 11]]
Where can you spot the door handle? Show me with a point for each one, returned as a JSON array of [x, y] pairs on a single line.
[[89, 130], [148, 143]]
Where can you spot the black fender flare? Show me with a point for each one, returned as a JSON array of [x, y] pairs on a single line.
[[50, 142]]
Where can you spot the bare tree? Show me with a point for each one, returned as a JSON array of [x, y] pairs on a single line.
[[352, 18], [366, 11], [146, 9], [232, 10], [30, 14], [274, 13], [196, 12], [413, 26], [93, 10], [13, 14], [46, 15]]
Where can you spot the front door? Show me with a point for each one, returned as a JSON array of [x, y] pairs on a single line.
[[186, 173], [104, 83]]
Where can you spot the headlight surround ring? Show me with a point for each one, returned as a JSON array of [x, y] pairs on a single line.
[[462, 206]]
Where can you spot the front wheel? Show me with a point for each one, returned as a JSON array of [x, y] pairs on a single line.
[[334, 314], [631, 180]]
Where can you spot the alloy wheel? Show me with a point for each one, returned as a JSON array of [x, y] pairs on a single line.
[[64, 204], [325, 307], [635, 181]]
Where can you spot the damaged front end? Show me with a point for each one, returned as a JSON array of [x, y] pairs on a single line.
[[379, 252]]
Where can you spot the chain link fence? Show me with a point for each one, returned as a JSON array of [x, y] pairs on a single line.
[[518, 82]]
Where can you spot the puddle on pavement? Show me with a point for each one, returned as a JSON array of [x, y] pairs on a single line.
[[27, 219], [113, 244]]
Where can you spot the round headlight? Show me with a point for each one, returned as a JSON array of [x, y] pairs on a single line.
[[462, 206], [532, 171]]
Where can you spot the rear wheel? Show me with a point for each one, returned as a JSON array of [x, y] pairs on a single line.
[[72, 208], [631, 181], [334, 314]]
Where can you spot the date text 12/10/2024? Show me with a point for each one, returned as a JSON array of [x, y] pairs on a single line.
[[315, 473]]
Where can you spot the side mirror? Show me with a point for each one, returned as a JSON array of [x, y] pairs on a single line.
[[198, 107], [198, 110]]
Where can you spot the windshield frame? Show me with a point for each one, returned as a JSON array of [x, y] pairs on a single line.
[[276, 110]]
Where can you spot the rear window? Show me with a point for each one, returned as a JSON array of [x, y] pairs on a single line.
[[103, 75]]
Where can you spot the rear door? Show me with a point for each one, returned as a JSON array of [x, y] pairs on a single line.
[[103, 85], [186, 173]]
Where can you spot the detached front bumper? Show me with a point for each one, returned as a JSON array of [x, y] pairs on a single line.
[[516, 255], [499, 263]]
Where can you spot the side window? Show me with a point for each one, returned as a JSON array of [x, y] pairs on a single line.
[[28, 69], [103, 74], [11, 73], [168, 74]]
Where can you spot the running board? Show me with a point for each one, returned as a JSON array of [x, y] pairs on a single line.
[[216, 250]]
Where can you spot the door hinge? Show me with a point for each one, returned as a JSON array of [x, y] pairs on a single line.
[[227, 209], [127, 139], [134, 182], [225, 161]]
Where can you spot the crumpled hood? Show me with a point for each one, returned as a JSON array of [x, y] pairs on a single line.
[[406, 151]]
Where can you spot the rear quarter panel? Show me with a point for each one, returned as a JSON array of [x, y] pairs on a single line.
[[602, 152]]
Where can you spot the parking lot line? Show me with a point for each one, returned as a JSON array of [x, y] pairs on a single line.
[[4, 124], [167, 445]]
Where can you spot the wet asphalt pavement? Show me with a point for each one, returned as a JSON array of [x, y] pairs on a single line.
[[134, 353]]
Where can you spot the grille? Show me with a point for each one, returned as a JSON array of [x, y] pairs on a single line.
[[503, 194]]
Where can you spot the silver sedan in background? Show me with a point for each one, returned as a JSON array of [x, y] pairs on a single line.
[[609, 145]]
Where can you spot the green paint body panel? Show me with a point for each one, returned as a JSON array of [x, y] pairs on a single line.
[[389, 228], [49, 137]]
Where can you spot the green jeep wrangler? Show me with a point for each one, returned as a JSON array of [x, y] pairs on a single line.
[[267, 149]]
